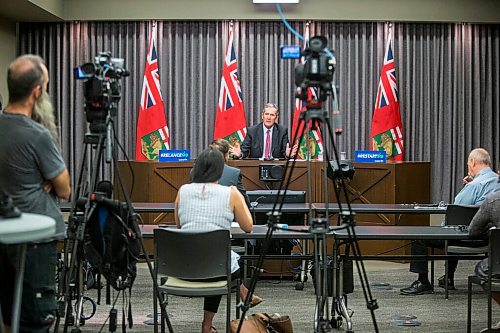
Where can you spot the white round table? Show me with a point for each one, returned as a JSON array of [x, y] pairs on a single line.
[[21, 230]]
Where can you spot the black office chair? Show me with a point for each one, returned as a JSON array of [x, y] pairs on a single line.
[[493, 283], [461, 216], [182, 257]]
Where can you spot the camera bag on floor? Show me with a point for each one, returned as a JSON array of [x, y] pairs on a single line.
[[111, 245], [112, 248]]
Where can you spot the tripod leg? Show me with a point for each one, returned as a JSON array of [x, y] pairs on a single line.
[[74, 249], [303, 268], [348, 220]]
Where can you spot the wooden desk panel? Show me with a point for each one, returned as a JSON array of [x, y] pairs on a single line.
[[372, 183], [154, 182]]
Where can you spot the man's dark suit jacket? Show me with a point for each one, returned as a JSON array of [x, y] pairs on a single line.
[[232, 176], [253, 145]]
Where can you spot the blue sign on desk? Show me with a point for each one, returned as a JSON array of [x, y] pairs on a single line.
[[174, 155], [370, 156]]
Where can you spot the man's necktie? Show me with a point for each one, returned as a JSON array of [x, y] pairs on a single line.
[[267, 149]]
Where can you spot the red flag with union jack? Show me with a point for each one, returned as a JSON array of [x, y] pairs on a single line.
[[387, 127], [315, 144], [152, 129], [230, 121]]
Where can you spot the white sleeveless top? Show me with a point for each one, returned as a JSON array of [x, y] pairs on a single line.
[[205, 207]]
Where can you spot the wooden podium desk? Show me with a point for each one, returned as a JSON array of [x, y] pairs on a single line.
[[373, 183], [159, 182]]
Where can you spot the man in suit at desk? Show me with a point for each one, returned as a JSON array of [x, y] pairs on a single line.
[[267, 140], [479, 182], [231, 176]]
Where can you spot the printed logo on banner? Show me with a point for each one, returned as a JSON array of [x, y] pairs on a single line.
[[175, 155], [370, 156]]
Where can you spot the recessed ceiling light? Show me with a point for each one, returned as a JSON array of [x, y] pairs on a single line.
[[275, 1]]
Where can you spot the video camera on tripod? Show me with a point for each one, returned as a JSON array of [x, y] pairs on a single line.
[[102, 88], [316, 71]]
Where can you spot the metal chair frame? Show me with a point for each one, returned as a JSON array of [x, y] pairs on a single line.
[[461, 215], [493, 283], [189, 259]]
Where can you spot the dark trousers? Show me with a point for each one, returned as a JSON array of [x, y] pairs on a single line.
[[211, 303], [420, 247], [38, 304]]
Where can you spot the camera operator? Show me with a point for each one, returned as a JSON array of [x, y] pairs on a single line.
[[33, 173]]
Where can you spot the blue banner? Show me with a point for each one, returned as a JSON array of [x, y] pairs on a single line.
[[370, 156], [175, 155]]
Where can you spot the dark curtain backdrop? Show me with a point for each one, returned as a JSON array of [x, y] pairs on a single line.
[[448, 78]]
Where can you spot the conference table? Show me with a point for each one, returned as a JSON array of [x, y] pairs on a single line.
[[169, 207], [376, 232], [341, 234], [382, 208], [20, 231]]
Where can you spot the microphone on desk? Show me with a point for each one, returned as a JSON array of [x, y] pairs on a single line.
[[254, 204]]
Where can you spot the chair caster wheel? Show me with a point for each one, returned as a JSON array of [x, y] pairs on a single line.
[[299, 286]]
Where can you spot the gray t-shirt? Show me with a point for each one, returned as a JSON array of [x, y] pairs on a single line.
[[29, 157]]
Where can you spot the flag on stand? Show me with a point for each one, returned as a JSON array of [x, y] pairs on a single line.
[[152, 129], [230, 121], [387, 127], [315, 144]]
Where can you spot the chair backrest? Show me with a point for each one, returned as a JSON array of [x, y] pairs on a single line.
[[494, 252], [460, 214], [192, 255]]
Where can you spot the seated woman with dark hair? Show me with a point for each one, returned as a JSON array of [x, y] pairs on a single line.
[[205, 205]]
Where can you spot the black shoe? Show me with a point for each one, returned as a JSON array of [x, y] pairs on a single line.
[[451, 283], [417, 288]]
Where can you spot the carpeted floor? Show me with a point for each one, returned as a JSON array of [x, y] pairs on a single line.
[[433, 311]]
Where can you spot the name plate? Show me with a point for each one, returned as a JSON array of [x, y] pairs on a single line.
[[174, 155], [370, 156]]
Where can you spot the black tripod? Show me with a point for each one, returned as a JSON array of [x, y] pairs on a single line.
[[72, 280], [319, 227]]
